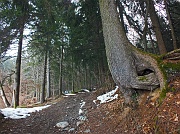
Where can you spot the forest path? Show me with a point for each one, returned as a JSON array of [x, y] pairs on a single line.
[[44, 122], [148, 116]]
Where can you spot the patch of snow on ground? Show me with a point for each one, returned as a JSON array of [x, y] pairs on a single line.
[[67, 95], [82, 113], [81, 106], [109, 96], [85, 90], [70, 94], [20, 113]]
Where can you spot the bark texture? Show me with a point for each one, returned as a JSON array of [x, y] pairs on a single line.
[[4, 98], [18, 67], [156, 27], [43, 87], [171, 25], [130, 68]]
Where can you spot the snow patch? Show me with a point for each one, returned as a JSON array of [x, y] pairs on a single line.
[[81, 106], [109, 96], [85, 90], [69, 95], [82, 113], [20, 113]]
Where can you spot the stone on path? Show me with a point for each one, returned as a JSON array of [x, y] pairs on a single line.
[[62, 125]]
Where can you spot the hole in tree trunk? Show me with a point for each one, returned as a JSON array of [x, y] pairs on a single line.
[[145, 72]]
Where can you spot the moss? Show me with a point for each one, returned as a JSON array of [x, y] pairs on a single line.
[[142, 78], [159, 60], [134, 98], [171, 67], [166, 68], [156, 125], [162, 95]]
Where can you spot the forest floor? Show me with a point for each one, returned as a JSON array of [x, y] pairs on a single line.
[[147, 115]]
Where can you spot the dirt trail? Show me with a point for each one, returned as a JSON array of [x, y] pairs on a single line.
[[43, 122]]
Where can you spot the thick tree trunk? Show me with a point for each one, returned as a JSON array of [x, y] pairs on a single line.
[[130, 68]]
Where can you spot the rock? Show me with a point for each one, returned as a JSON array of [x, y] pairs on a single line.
[[62, 125]]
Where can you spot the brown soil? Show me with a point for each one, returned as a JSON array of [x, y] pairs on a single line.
[[146, 116]]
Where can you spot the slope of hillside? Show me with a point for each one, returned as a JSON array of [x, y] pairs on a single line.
[[147, 116]]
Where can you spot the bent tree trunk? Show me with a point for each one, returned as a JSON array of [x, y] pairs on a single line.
[[4, 98], [130, 68]]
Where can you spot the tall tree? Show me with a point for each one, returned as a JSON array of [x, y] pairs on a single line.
[[43, 86], [171, 25], [156, 26], [23, 7], [61, 70], [174, 12], [48, 76], [130, 68]]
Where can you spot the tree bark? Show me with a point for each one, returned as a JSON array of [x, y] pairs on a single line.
[[4, 98], [151, 39], [44, 80], [171, 25], [18, 68], [130, 68], [156, 27], [61, 70], [145, 28], [72, 75], [2, 93], [48, 77]]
